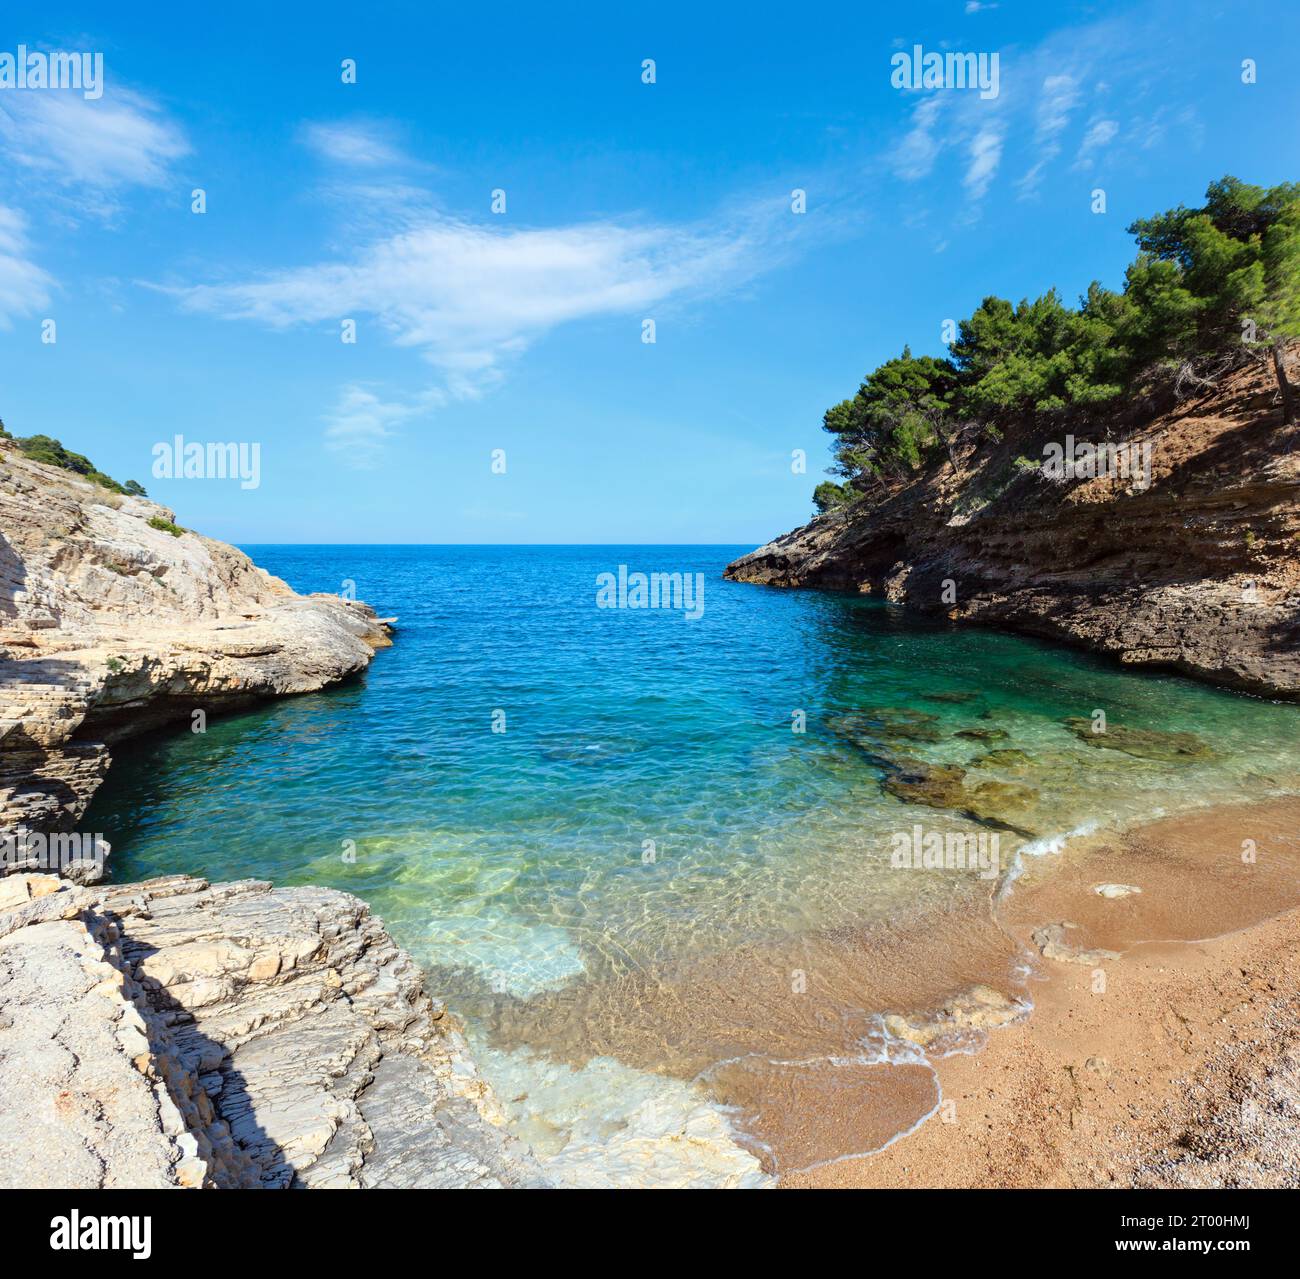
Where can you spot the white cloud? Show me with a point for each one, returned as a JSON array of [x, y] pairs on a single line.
[[361, 422], [948, 119], [352, 143], [469, 297], [1100, 134], [920, 147], [950, 135], [71, 155], [1057, 100], [118, 140], [985, 154], [1058, 97], [24, 287]]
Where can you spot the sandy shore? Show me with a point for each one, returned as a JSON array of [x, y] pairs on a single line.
[[1100, 1033], [1164, 1044]]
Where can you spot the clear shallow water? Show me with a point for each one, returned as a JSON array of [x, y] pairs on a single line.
[[634, 871]]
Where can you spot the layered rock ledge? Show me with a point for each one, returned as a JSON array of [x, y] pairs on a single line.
[[176, 1033], [111, 624], [1199, 572]]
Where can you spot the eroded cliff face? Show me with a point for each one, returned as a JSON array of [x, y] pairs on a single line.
[[110, 626], [1198, 572]]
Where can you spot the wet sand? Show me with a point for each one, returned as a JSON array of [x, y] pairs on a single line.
[[777, 1030], [915, 1038], [1175, 1063]]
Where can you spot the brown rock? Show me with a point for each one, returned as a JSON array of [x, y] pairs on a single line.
[[1165, 577]]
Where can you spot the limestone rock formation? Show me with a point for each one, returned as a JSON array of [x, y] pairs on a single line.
[[1197, 573], [176, 1033], [110, 625]]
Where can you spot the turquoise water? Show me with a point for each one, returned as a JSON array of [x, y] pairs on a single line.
[[649, 811]]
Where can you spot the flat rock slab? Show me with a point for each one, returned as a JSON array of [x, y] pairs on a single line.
[[176, 1033], [78, 1113]]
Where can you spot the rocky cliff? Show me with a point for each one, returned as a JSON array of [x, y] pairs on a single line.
[[176, 1033], [1197, 571], [113, 621]]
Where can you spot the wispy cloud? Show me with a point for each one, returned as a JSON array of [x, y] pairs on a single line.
[[24, 287], [121, 139], [1099, 136], [75, 155], [1058, 97], [468, 297], [920, 147], [1057, 100], [361, 421], [985, 154], [356, 144], [953, 135], [953, 120]]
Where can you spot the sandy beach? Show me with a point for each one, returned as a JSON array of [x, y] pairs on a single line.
[[1164, 1044]]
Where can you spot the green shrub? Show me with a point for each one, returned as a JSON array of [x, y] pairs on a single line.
[[166, 526], [1205, 282], [44, 448], [828, 495]]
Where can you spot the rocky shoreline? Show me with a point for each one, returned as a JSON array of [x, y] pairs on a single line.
[[176, 1032], [1197, 573], [114, 621]]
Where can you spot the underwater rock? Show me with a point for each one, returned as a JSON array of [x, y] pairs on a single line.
[[1050, 939], [1008, 757], [980, 1008], [943, 786], [999, 801], [916, 781], [983, 734], [1143, 743], [873, 728], [935, 785]]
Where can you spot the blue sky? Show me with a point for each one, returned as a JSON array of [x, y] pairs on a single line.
[[625, 201]]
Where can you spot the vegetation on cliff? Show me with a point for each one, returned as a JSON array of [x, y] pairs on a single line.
[[44, 448], [1210, 288], [165, 526]]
